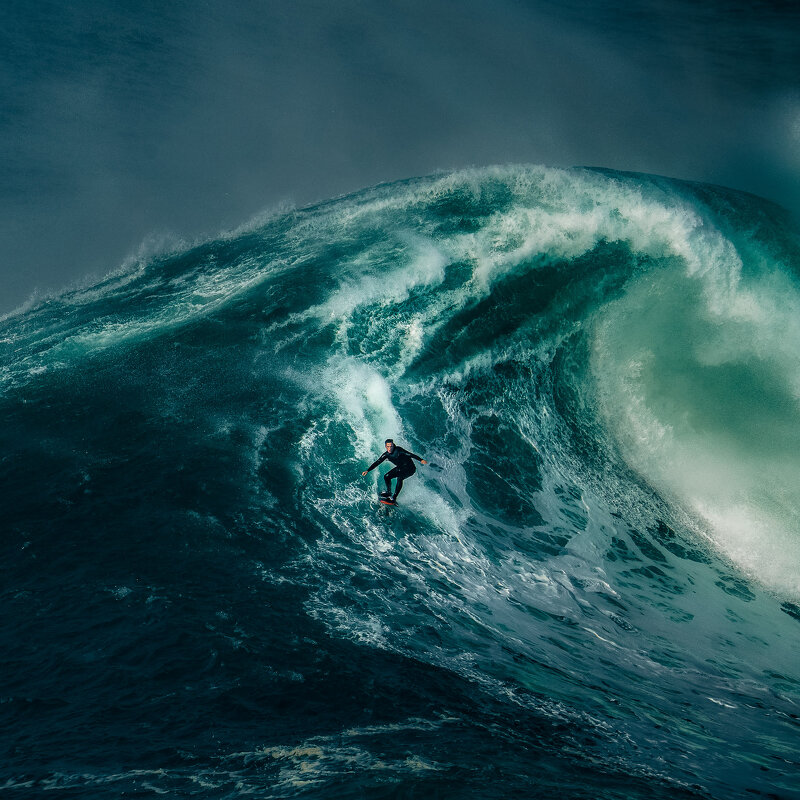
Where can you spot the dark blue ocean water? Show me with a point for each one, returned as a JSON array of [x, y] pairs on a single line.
[[591, 591]]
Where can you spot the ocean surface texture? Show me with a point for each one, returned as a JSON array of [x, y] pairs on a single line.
[[591, 591]]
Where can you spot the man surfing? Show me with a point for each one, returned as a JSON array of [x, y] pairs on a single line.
[[403, 468]]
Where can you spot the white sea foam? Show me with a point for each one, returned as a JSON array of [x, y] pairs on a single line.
[[363, 402], [698, 374]]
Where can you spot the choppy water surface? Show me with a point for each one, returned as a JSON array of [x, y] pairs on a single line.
[[591, 590]]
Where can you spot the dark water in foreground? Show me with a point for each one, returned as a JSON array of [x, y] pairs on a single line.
[[590, 592]]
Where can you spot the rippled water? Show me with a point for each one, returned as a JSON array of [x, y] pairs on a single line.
[[591, 589]]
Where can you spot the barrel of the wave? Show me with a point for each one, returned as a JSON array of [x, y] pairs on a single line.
[[697, 373]]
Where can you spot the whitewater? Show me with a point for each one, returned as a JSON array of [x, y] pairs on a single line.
[[591, 591]]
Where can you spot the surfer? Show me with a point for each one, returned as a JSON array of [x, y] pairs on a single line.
[[403, 467]]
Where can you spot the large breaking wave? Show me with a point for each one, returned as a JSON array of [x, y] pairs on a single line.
[[603, 370]]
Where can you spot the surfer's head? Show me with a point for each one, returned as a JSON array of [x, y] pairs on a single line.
[[389, 444]]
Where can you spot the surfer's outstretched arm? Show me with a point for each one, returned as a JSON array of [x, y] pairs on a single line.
[[375, 464], [412, 455]]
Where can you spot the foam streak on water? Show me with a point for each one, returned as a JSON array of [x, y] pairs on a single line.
[[592, 588]]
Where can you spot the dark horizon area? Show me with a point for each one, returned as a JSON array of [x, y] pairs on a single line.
[[129, 125]]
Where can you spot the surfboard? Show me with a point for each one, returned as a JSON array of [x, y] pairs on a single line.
[[386, 500]]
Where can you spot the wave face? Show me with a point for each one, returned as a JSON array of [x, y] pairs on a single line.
[[591, 590]]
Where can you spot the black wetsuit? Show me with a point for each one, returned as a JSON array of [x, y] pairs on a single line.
[[404, 467]]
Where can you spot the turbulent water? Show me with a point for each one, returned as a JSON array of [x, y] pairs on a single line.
[[591, 590]]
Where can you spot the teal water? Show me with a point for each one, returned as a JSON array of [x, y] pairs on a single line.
[[591, 590]]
